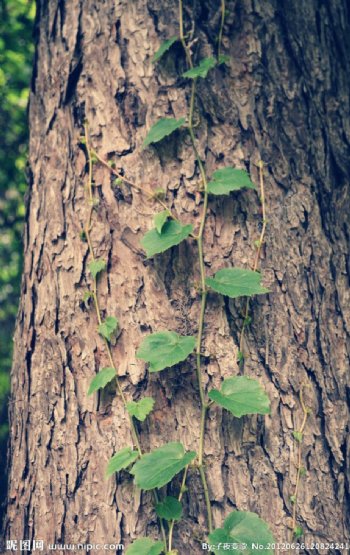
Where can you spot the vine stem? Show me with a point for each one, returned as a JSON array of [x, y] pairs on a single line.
[[223, 9], [143, 190], [306, 413], [87, 230], [258, 251], [95, 297], [199, 239], [182, 490], [182, 36]]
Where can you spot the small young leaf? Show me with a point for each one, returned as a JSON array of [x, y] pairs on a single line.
[[140, 409], [121, 460], [87, 296], [97, 266], [302, 471], [298, 436], [169, 509], [145, 546], [223, 59], [243, 528], [241, 395], [229, 179], [160, 219], [101, 379], [159, 193], [298, 532], [201, 70], [108, 327], [161, 129], [172, 234], [236, 282], [292, 499], [164, 47], [164, 349], [157, 468], [247, 321]]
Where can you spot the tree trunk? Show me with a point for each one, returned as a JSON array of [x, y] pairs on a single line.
[[282, 98]]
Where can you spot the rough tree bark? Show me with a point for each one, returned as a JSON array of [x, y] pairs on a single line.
[[283, 98]]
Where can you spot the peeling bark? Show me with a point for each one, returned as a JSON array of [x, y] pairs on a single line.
[[284, 98]]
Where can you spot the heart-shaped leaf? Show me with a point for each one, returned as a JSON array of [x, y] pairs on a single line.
[[140, 409], [164, 47], [242, 528], [97, 266], [160, 219], [145, 546], [157, 468], [164, 349], [169, 509], [236, 282], [101, 379], [202, 69], [108, 327], [124, 458], [161, 129], [241, 395], [229, 179], [172, 234]]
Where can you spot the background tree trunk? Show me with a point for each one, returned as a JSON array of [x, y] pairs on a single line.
[[284, 98]]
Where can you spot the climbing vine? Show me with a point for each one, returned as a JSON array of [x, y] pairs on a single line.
[[240, 395], [296, 529]]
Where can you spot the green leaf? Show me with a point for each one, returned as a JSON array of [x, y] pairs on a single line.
[[159, 193], [87, 296], [169, 509], [298, 436], [236, 282], [145, 546], [140, 409], [247, 321], [101, 379], [223, 59], [164, 349], [229, 179], [242, 528], [164, 47], [108, 327], [219, 537], [160, 219], [202, 69], [172, 234], [161, 129], [121, 460], [298, 532], [157, 468], [97, 266], [241, 395]]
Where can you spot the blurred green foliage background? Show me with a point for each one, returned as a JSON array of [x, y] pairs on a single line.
[[16, 57]]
